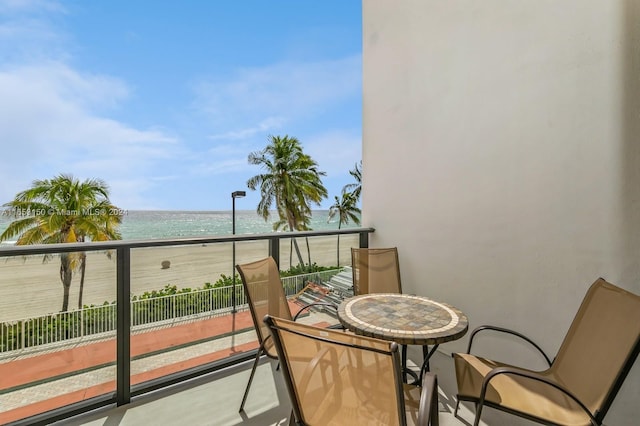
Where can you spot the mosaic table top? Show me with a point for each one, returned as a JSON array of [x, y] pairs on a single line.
[[403, 318]]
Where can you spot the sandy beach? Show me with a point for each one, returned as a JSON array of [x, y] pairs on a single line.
[[33, 288]]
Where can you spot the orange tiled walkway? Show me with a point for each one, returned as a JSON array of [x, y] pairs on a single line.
[[46, 366], [78, 360]]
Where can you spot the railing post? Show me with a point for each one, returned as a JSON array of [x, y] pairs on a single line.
[[274, 249], [364, 240], [123, 326]]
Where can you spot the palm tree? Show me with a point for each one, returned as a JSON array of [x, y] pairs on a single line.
[[346, 209], [108, 217], [355, 188], [64, 210], [291, 182]]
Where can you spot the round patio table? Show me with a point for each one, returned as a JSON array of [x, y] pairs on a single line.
[[404, 318]]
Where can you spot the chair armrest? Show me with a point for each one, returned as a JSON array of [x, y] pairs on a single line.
[[530, 375], [507, 331], [310, 305], [428, 409]]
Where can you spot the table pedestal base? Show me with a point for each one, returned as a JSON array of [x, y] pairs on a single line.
[[426, 355]]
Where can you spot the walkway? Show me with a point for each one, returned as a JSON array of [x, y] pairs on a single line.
[[40, 383]]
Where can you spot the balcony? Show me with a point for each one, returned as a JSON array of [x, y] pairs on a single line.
[[122, 363], [141, 333]]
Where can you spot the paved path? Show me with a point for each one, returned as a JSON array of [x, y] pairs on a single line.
[[43, 382]]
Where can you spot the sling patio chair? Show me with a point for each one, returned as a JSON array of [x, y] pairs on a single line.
[[265, 295], [582, 381], [375, 270], [336, 378]]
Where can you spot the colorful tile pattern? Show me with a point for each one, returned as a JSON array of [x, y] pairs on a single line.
[[403, 318]]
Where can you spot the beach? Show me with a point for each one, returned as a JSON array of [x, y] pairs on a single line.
[[32, 288]]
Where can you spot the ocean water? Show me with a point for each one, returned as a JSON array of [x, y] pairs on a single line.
[[148, 224]]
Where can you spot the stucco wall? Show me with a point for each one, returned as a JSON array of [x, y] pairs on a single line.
[[501, 155]]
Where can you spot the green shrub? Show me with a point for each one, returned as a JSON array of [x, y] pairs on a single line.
[[305, 269], [152, 306]]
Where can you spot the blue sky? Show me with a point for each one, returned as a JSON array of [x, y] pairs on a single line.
[[165, 100]]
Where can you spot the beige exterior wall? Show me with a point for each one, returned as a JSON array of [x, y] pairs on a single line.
[[501, 154]]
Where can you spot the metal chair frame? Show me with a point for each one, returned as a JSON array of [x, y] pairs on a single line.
[[256, 321]]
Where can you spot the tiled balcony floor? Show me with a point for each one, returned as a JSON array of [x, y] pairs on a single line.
[[214, 400]]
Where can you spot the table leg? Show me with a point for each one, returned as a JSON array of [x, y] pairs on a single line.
[[405, 369], [427, 355]]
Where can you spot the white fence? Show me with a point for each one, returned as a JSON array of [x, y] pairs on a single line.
[[99, 322]]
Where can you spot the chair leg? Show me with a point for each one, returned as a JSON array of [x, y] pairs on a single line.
[[435, 408], [404, 363], [455, 412], [476, 421], [253, 372], [292, 420]]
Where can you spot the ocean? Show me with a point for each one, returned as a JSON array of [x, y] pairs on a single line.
[[149, 224]]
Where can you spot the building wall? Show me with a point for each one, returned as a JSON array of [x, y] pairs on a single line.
[[501, 155]]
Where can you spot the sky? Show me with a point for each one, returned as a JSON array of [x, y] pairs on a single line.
[[164, 101]]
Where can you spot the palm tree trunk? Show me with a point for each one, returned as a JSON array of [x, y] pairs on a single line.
[[83, 267], [308, 250], [338, 247], [298, 253], [66, 274], [290, 253]]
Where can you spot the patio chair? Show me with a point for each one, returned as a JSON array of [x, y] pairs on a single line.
[[375, 270], [335, 378], [581, 382], [265, 295]]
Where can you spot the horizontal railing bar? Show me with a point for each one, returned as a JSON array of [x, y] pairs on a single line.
[[113, 245]]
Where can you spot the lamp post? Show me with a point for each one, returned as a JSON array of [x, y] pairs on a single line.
[[234, 195]]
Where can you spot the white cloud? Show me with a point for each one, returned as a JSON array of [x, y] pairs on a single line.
[[285, 90], [18, 6], [336, 152], [49, 124], [271, 123], [255, 102], [27, 31]]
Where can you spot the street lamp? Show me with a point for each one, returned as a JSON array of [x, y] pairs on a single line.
[[234, 195]]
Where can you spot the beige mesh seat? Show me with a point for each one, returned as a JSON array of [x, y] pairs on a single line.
[[336, 378], [580, 384], [375, 270], [265, 295]]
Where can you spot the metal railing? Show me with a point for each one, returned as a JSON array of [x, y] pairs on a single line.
[[125, 320], [98, 322]]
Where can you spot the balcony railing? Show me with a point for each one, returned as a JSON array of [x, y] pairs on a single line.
[[45, 332], [131, 355]]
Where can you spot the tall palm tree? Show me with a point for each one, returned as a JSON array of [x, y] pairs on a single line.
[[346, 209], [356, 187], [291, 182], [64, 210]]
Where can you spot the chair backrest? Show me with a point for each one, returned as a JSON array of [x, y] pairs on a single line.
[[375, 270], [265, 294], [339, 378], [600, 346]]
